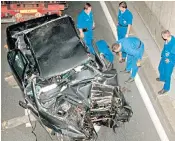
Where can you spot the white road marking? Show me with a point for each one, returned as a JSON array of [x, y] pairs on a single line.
[[159, 128], [14, 122], [26, 114]]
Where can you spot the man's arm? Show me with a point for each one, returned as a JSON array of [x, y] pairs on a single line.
[[108, 55], [93, 24], [118, 17], [81, 33], [120, 56], [128, 30], [171, 57], [129, 21], [80, 25], [93, 20]]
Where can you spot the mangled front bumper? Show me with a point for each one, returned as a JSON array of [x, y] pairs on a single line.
[[89, 98]]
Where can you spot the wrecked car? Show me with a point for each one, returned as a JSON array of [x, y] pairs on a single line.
[[67, 90]]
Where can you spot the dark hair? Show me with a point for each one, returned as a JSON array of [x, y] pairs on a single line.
[[165, 32], [123, 4], [114, 46], [87, 5]]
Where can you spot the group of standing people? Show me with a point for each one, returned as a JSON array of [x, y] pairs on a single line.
[[129, 48]]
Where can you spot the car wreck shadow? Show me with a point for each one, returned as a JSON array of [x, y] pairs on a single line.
[[124, 89]]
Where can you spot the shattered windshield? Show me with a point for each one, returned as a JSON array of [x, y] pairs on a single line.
[[57, 47]]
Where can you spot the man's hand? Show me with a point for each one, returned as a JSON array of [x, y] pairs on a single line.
[[128, 30], [5, 46], [167, 61], [120, 59], [126, 35], [93, 25], [81, 35], [139, 63], [101, 54]]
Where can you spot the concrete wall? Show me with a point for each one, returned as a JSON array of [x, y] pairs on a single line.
[[158, 15]]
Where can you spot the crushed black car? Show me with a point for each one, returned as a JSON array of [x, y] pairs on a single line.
[[67, 90]]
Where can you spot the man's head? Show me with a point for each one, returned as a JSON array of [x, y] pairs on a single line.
[[122, 6], [166, 34], [116, 47], [87, 8]]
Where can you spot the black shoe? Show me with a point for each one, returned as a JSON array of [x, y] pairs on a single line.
[[158, 79], [161, 92], [121, 61], [125, 71], [129, 80]]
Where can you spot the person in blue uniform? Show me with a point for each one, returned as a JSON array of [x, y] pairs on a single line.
[[104, 50], [85, 24], [167, 61], [125, 18], [134, 48]]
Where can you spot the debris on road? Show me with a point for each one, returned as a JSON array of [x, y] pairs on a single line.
[[10, 80], [12, 123]]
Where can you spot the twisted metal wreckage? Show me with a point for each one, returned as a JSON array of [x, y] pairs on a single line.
[[67, 90]]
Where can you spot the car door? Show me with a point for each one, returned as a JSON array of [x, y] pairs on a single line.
[[18, 64]]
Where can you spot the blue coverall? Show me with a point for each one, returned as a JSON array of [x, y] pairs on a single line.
[[86, 21], [124, 19], [166, 69], [104, 48], [134, 49]]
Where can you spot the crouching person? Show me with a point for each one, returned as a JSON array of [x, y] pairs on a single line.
[[134, 47], [105, 54]]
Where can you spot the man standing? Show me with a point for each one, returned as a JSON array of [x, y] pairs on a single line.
[[167, 61], [85, 24], [134, 49], [124, 24]]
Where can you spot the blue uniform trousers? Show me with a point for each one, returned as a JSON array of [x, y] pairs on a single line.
[[121, 33], [165, 71], [131, 65], [88, 38]]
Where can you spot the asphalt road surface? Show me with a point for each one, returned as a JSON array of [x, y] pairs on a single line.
[[140, 128]]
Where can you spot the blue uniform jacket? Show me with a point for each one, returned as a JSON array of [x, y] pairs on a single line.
[[168, 51], [130, 45], [103, 48], [85, 21], [125, 18]]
